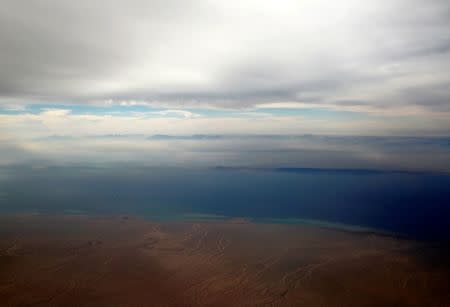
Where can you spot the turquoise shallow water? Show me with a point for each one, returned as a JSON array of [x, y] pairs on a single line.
[[204, 217]]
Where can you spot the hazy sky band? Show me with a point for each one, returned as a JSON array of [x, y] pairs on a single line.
[[75, 120]]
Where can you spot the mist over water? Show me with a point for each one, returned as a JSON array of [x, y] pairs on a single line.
[[409, 203]]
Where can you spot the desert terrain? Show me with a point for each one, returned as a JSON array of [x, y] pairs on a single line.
[[75, 260]]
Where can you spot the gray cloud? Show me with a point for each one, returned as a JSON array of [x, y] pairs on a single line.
[[234, 53]]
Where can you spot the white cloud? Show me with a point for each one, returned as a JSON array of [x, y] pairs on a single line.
[[169, 113], [49, 113]]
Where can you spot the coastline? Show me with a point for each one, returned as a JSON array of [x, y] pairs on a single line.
[[208, 217]]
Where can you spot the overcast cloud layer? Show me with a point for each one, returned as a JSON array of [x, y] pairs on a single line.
[[377, 54], [91, 81]]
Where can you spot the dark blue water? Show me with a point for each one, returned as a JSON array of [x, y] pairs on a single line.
[[413, 204]]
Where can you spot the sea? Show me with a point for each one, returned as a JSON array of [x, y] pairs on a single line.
[[409, 204]]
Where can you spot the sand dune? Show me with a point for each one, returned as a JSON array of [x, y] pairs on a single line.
[[117, 261]]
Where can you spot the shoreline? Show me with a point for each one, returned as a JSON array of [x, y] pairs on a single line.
[[202, 217]]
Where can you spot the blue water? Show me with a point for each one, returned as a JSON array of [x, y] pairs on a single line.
[[413, 204]]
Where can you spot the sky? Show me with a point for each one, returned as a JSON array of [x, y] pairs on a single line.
[[76, 75]]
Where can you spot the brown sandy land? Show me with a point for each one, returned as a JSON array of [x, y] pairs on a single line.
[[117, 261]]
